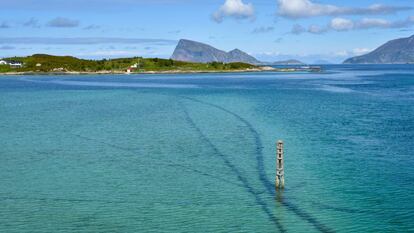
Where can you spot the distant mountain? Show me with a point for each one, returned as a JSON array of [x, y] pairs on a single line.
[[284, 62], [192, 51], [399, 51], [288, 62]]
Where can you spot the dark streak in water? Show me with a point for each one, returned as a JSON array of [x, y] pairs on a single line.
[[239, 175], [262, 174]]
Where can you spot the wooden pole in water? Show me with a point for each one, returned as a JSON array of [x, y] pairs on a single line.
[[280, 172]]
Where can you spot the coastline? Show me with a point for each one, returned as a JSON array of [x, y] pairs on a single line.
[[251, 70], [261, 69]]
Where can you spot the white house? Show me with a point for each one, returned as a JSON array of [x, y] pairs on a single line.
[[16, 64], [3, 62]]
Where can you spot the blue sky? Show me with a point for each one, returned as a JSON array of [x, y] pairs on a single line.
[[271, 30]]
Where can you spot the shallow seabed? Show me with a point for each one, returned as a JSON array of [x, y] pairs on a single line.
[[196, 153]]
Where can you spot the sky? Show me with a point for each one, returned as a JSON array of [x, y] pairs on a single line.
[[271, 30]]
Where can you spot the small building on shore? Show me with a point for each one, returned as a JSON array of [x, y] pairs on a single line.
[[12, 64], [131, 69], [15, 64]]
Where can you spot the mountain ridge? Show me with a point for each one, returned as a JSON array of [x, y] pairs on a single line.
[[397, 51], [193, 51]]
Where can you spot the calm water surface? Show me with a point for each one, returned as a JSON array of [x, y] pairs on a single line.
[[195, 153]]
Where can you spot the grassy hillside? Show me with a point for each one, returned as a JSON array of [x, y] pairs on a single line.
[[66, 63], [5, 68]]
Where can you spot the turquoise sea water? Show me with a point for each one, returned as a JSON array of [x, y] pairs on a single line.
[[196, 153]]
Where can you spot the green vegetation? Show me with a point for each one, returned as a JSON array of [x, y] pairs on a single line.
[[5, 68], [48, 63]]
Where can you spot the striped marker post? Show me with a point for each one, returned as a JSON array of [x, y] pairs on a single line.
[[280, 172]]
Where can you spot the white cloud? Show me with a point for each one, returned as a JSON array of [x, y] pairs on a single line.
[[368, 23], [372, 23], [306, 8], [340, 24], [235, 9]]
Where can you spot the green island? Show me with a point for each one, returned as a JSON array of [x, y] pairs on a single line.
[[49, 64], [42, 63]]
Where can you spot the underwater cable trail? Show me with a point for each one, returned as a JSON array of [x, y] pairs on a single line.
[[260, 167], [269, 186], [239, 175], [244, 181]]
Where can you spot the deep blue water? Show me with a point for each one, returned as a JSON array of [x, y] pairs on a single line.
[[196, 152]]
